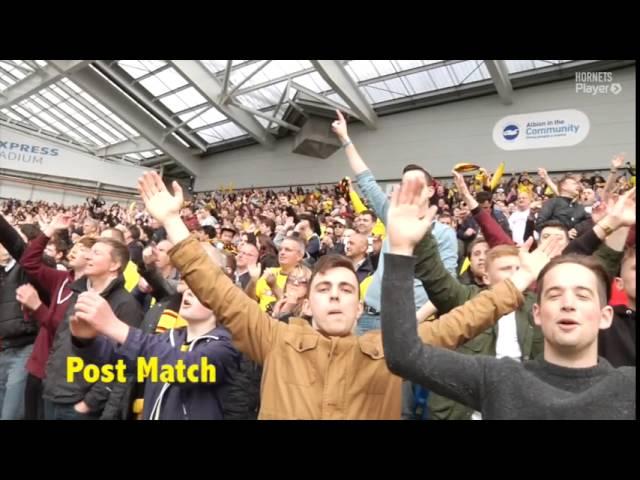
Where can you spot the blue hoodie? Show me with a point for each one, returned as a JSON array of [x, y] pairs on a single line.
[[172, 401]]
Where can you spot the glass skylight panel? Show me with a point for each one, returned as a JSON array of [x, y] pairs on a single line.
[[420, 82], [11, 115], [384, 67], [11, 70], [215, 66], [264, 97], [207, 118], [165, 81], [362, 70], [42, 125], [6, 80], [397, 87], [337, 98], [515, 66], [229, 130], [209, 135], [273, 71], [441, 77], [468, 71], [378, 93], [408, 64], [71, 85], [313, 81], [183, 99], [138, 68], [46, 93]]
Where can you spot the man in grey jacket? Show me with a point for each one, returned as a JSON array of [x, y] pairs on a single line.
[[569, 382]]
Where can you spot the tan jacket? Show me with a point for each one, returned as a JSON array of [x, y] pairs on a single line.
[[309, 376]]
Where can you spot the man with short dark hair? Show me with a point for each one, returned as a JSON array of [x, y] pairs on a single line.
[[568, 382], [312, 370], [365, 222]]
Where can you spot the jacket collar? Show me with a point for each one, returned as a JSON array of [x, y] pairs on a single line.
[[80, 285]]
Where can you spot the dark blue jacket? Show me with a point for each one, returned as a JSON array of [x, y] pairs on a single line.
[[175, 401]]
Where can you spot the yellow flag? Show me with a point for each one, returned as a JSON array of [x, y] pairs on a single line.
[[465, 265], [495, 180]]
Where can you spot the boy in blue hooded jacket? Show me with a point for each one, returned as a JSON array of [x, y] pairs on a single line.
[[186, 369]]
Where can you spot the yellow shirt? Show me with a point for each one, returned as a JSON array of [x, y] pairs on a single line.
[[264, 293], [378, 229], [364, 285]]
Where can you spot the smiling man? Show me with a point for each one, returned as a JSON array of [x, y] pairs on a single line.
[[568, 382]]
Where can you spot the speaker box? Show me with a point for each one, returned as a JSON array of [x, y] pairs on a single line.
[[315, 138]]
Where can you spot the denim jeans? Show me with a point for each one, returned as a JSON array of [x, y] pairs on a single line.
[[65, 411], [13, 378], [367, 322]]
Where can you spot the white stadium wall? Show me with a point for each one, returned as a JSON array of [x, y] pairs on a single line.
[[37, 168], [32, 154]]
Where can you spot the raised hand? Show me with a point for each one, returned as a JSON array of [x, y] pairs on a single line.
[[339, 127], [409, 216], [463, 190], [161, 204], [618, 160], [622, 212], [531, 264], [255, 271], [149, 255], [270, 277], [62, 221]]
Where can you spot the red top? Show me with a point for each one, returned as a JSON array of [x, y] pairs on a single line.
[[56, 282]]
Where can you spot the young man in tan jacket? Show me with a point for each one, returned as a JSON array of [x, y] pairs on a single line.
[[317, 371]]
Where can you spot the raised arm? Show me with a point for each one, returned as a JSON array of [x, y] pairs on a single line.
[[616, 162], [493, 233], [367, 184], [454, 375], [31, 261], [11, 239], [542, 173], [339, 127], [253, 331]]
